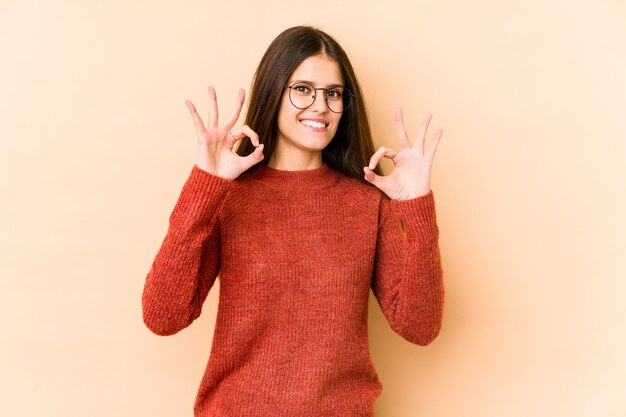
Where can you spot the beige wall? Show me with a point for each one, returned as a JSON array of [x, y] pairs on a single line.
[[96, 142]]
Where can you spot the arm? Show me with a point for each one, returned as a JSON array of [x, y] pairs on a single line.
[[407, 280], [407, 277], [187, 263]]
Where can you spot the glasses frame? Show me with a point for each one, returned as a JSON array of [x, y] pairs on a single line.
[[346, 93]]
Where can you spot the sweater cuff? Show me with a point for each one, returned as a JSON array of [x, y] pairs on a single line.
[[201, 195], [418, 216]]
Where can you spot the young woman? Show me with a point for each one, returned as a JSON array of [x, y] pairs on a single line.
[[300, 223]]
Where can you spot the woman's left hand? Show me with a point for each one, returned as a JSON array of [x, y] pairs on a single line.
[[410, 177]]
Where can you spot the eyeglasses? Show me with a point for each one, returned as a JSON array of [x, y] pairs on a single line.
[[302, 96]]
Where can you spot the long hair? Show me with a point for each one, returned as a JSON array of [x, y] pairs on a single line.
[[351, 147]]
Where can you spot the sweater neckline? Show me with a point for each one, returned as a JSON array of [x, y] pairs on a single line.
[[300, 180]]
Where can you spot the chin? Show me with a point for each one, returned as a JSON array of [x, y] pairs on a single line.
[[315, 145], [316, 141]]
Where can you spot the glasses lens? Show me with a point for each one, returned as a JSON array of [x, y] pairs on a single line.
[[338, 99], [302, 95]]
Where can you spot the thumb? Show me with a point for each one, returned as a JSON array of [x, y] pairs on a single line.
[[371, 177], [255, 157]]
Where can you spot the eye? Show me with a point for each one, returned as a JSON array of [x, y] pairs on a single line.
[[334, 94], [302, 88]]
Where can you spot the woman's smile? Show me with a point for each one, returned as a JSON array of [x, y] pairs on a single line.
[[316, 124]]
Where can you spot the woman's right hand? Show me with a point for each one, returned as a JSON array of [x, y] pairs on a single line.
[[215, 143]]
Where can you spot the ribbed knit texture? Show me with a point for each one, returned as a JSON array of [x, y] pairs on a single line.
[[297, 253]]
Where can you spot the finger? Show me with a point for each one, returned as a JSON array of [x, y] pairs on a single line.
[[244, 131], [254, 158], [213, 112], [430, 154], [373, 178], [234, 115], [381, 152], [421, 135], [231, 140], [369, 174], [400, 130], [197, 121]]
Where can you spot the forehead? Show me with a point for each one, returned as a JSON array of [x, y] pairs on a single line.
[[319, 69]]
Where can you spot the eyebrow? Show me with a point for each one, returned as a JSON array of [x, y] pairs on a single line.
[[314, 84]]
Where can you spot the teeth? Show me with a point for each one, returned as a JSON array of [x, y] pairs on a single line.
[[312, 123]]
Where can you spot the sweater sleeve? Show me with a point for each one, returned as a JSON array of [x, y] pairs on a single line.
[[407, 280], [187, 264]]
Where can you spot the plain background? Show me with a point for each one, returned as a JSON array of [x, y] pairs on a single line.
[[529, 182]]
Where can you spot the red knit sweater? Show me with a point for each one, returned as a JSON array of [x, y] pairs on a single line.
[[297, 253]]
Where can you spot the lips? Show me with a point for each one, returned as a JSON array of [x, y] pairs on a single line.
[[314, 123]]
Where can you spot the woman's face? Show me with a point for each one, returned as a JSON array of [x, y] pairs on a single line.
[[310, 129]]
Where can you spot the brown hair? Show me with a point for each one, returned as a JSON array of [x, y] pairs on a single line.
[[351, 147]]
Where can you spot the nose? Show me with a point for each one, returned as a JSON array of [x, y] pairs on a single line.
[[319, 102]]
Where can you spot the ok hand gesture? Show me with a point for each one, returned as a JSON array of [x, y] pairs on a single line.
[[410, 177], [215, 143]]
